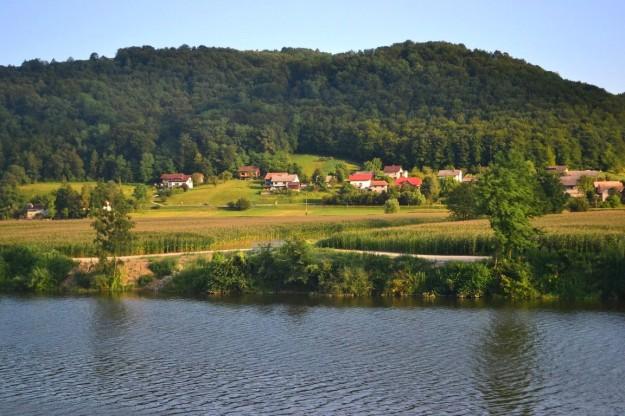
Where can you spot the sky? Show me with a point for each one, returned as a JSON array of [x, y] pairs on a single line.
[[582, 40]]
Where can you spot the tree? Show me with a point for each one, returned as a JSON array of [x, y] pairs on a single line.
[[391, 206], [506, 195], [11, 200], [430, 187], [462, 202], [373, 165], [113, 227], [551, 193], [141, 196], [68, 203]]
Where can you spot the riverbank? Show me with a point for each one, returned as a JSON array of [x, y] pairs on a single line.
[[298, 267]]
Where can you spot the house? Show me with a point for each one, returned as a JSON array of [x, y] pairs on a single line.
[[468, 179], [379, 186], [455, 174], [176, 180], [34, 211], [570, 180], [249, 172], [415, 182], [361, 180], [395, 172], [559, 169], [275, 181], [606, 188]]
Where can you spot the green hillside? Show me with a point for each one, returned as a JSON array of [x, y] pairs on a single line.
[[146, 111]]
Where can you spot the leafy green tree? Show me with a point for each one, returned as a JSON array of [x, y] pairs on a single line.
[[68, 203], [141, 196], [551, 193], [11, 200], [430, 188], [506, 193], [391, 206], [373, 165], [463, 202]]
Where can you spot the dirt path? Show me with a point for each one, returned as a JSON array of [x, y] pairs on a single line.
[[436, 258]]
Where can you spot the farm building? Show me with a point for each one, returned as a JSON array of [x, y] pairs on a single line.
[[455, 174], [361, 180], [249, 172], [395, 171], [415, 182], [176, 180], [275, 181], [379, 186], [605, 188]]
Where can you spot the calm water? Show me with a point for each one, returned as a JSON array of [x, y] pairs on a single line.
[[135, 355]]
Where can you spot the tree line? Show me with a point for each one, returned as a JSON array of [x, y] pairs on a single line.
[[209, 110]]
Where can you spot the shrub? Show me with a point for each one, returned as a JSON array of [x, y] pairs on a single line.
[[578, 205], [391, 206], [240, 204], [613, 201], [467, 279], [164, 267]]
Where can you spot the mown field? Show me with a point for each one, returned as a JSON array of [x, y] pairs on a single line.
[[160, 231], [585, 231]]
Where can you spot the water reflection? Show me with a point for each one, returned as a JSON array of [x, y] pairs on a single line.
[[505, 369]]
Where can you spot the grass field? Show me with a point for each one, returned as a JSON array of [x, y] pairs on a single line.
[[41, 188], [327, 164]]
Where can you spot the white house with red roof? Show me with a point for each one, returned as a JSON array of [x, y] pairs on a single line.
[[176, 180], [415, 182], [361, 180], [395, 172]]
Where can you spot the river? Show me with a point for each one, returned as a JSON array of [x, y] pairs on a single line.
[[297, 355]]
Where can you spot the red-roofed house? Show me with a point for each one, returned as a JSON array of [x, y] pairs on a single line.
[[379, 186], [249, 172], [361, 180], [395, 172], [604, 188], [416, 182], [176, 180]]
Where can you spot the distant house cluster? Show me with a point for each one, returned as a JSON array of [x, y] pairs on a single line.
[[570, 180]]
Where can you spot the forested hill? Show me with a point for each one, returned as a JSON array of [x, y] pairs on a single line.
[[205, 109]]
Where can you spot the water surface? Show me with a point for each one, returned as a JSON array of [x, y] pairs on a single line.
[[270, 355]]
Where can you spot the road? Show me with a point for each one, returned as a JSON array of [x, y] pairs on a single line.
[[436, 258]]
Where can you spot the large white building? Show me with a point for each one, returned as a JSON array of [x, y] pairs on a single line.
[[176, 180]]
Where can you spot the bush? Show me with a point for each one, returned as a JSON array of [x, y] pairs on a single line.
[[28, 269], [240, 204], [613, 201], [164, 267], [467, 279], [578, 205], [391, 206]]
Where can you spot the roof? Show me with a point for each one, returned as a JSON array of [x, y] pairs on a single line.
[[175, 177], [361, 176], [379, 183], [606, 185], [282, 177], [580, 173], [392, 168], [248, 169], [449, 172], [270, 175], [410, 181], [571, 178], [557, 168]]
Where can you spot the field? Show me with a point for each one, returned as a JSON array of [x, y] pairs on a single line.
[[160, 231], [42, 188], [586, 231], [327, 164]]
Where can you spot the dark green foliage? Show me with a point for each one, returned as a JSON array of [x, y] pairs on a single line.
[[550, 193], [578, 204], [241, 204], [466, 279], [391, 206], [11, 200], [208, 110], [462, 201], [68, 203], [25, 269], [163, 267], [507, 196]]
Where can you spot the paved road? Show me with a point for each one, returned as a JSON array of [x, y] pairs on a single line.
[[436, 258]]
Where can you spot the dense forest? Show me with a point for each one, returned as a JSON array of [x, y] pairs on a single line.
[[434, 104]]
